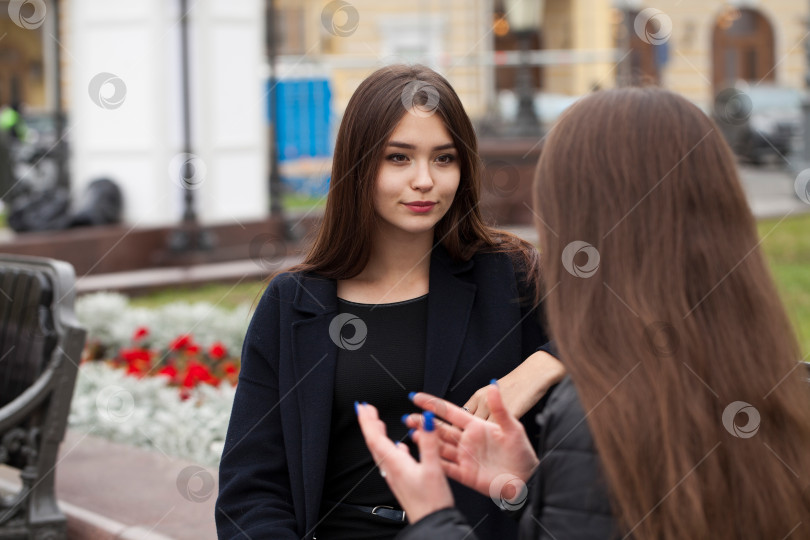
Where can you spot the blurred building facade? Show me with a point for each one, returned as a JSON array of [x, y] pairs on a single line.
[[711, 45], [694, 47]]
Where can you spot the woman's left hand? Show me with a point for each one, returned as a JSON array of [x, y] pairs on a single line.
[[522, 387], [420, 487]]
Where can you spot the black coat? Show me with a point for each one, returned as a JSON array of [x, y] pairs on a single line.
[[274, 461], [568, 498]]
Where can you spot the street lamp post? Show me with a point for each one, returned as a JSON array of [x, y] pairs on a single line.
[[799, 163], [276, 208], [188, 236], [525, 18]]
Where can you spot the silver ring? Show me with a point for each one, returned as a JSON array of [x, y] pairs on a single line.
[[382, 473]]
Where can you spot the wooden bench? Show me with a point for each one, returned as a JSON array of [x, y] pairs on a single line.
[[40, 347]]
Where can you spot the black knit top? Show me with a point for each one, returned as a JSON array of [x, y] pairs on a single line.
[[379, 368]]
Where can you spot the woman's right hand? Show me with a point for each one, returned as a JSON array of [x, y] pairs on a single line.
[[485, 455]]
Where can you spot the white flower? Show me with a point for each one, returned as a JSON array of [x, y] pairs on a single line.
[[149, 413], [111, 321]]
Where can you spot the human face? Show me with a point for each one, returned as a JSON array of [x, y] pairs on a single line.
[[418, 177]]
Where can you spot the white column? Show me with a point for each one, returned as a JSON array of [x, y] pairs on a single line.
[[127, 125]]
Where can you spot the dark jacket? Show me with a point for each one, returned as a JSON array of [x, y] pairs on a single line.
[[567, 499], [274, 460]]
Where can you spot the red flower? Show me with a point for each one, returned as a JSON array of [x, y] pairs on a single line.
[[193, 348], [140, 333], [217, 351], [135, 356], [181, 342], [137, 360], [170, 371], [197, 373], [230, 368]]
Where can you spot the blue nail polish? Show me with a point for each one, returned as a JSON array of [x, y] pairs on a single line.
[[364, 404], [494, 381], [356, 405], [410, 396], [396, 443], [404, 418], [428, 416], [410, 433]]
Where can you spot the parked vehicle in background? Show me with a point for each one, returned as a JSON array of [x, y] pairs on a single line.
[[760, 122]]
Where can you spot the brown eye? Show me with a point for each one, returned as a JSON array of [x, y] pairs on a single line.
[[397, 158]]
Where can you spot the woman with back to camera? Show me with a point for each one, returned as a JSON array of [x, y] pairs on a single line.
[[405, 288], [685, 414]]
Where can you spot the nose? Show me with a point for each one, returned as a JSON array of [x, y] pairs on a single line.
[[422, 181]]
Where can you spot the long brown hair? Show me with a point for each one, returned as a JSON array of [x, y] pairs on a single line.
[[667, 318], [343, 243]]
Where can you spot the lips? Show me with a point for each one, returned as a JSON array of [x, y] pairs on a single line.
[[420, 206]]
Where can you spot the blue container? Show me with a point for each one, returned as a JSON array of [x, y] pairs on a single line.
[[303, 110]]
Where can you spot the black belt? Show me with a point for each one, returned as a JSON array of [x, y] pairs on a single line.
[[381, 511]]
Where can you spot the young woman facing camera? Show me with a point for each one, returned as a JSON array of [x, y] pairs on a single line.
[[687, 412], [405, 288]]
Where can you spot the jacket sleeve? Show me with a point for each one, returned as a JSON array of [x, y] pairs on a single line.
[[550, 348], [447, 524], [570, 497], [533, 325], [254, 489]]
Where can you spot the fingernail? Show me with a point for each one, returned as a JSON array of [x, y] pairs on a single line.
[[356, 410], [494, 381], [404, 418], [410, 396], [364, 404], [410, 433], [428, 416], [396, 443]]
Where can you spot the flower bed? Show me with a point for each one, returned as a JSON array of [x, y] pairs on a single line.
[[162, 378], [149, 412]]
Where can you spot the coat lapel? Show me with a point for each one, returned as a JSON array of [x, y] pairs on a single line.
[[449, 305], [314, 356]]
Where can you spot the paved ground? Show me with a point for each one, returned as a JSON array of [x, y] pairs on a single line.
[[109, 491], [771, 191]]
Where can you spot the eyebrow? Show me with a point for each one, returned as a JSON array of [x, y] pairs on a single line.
[[407, 146]]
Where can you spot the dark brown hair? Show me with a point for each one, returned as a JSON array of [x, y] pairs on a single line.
[[343, 243], [678, 327]]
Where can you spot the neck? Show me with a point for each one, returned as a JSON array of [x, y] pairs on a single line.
[[399, 260]]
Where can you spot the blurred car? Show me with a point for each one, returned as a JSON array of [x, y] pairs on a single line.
[[760, 122]]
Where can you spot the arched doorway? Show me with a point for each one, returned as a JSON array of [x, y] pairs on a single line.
[[742, 48]]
